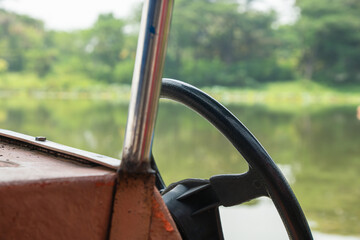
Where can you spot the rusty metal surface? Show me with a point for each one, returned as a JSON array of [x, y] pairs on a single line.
[[132, 206], [68, 208], [139, 211], [162, 225], [19, 163], [47, 197], [44, 145]]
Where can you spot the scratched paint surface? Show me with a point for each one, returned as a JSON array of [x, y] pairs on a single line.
[[21, 164]]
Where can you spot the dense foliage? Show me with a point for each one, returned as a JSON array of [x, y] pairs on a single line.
[[330, 40], [212, 42]]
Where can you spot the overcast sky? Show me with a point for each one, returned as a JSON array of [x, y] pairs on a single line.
[[69, 14], [64, 14]]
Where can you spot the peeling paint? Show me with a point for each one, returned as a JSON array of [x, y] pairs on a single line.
[[160, 215]]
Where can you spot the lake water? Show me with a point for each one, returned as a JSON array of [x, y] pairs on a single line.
[[316, 147]]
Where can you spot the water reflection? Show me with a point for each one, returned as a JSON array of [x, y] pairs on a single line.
[[318, 149], [321, 147], [262, 222]]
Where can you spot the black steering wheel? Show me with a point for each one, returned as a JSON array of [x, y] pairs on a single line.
[[194, 203]]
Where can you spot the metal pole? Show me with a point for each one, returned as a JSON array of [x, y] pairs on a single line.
[[146, 84]]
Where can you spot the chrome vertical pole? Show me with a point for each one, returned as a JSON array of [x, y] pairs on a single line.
[[146, 84]]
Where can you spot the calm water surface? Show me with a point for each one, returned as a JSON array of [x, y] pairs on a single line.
[[316, 148]]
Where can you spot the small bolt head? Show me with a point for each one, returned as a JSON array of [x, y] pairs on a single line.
[[40, 138]]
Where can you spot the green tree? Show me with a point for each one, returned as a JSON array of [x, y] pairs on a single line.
[[330, 35], [18, 34], [40, 61], [105, 44], [223, 43], [23, 44]]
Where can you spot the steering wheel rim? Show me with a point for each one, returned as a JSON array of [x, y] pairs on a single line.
[[256, 156]]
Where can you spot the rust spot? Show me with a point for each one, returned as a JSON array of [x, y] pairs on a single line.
[[8, 163], [160, 215]]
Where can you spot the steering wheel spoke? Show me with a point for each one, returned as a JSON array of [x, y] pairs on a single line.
[[235, 189]]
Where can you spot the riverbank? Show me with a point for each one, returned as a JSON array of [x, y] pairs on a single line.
[[275, 94], [285, 95]]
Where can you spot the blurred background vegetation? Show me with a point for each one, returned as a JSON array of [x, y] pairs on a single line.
[[227, 43]]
